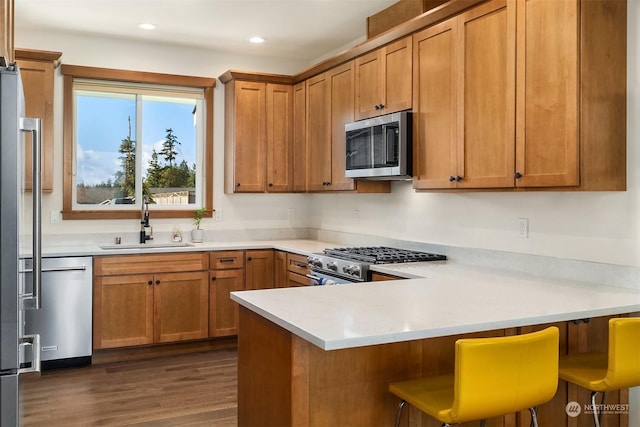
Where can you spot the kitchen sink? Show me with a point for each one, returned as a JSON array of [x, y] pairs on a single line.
[[147, 246]]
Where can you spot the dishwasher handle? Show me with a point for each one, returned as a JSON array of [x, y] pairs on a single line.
[[54, 269]]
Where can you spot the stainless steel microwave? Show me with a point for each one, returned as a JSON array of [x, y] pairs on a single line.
[[380, 147]]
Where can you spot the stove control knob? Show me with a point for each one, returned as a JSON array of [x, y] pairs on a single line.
[[333, 266], [314, 262], [351, 269]]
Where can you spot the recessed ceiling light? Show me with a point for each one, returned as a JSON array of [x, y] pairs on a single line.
[[147, 26], [257, 39]]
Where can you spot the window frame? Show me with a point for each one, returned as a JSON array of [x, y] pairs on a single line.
[[71, 72]]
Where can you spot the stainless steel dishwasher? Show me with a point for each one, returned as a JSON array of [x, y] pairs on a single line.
[[65, 320]]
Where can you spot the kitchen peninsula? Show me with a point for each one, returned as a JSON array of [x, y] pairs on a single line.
[[325, 355]]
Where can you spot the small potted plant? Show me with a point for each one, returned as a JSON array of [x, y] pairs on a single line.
[[197, 235]]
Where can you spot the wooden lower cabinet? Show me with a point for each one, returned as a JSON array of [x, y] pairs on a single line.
[[378, 277], [149, 308], [307, 386], [223, 312], [227, 275], [280, 269], [151, 304], [259, 269]]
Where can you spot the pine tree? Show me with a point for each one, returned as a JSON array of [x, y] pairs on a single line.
[[169, 147], [126, 178]]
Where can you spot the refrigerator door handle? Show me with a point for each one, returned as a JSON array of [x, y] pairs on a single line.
[[34, 341], [35, 127]]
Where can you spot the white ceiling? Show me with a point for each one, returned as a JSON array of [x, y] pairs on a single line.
[[294, 29]]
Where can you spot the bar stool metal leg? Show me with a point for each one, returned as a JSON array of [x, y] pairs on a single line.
[[534, 417], [597, 418], [399, 412]]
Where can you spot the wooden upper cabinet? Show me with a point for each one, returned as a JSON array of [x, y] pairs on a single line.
[[246, 139], [341, 84], [279, 137], [6, 30], [37, 70], [259, 135], [571, 91], [548, 141], [299, 143], [383, 80], [318, 133], [464, 94]]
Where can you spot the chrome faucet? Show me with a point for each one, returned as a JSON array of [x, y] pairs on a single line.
[[146, 232]]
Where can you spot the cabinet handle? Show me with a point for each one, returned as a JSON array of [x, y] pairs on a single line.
[[377, 107], [157, 282], [249, 258], [271, 184], [452, 178], [213, 278], [226, 260], [150, 282], [237, 184], [382, 106], [458, 178], [517, 175], [299, 265]]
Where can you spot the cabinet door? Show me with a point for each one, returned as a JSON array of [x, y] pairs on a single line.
[[37, 81], [435, 114], [223, 312], [397, 72], [122, 311], [318, 133], [279, 137], [249, 141], [342, 105], [300, 137], [486, 103], [181, 306], [259, 267], [369, 85], [280, 269], [548, 93]]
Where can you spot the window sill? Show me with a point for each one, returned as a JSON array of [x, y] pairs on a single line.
[[130, 214]]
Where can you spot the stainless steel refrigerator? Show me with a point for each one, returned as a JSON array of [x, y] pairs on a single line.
[[19, 236]]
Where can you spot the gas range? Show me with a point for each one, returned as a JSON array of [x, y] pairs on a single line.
[[352, 264]]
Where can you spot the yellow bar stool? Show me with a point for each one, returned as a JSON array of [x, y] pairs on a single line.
[[602, 372], [492, 377]]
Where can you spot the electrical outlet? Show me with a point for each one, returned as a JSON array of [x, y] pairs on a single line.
[[291, 212], [218, 215], [356, 216], [523, 228], [55, 217]]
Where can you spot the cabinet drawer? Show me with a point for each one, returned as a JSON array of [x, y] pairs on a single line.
[[224, 260], [297, 264], [146, 263], [298, 280]]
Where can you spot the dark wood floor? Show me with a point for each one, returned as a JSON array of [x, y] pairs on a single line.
[[198, 389]]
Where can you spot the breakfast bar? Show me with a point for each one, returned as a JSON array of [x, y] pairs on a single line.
[[324, 355]]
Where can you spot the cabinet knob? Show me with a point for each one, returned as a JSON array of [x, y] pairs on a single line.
[[249, 258], [377, 107], [150, 282], [381, 106], [157, 282], [213, 278], [271, 184], [237, 184], [452, 178], [458, 178], [517, 175]]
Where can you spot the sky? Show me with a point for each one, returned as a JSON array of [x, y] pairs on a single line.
[[102, 124]]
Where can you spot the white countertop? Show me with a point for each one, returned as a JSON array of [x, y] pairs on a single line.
[[300, 246], [450, 299]]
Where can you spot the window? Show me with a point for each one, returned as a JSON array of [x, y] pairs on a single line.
[[131, 136]]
